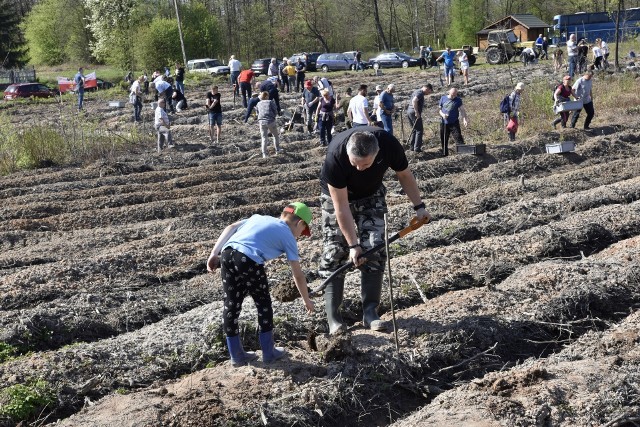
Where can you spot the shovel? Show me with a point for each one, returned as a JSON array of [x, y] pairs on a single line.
[[413, 225]]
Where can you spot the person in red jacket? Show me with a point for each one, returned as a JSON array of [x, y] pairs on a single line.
[[246, 79]]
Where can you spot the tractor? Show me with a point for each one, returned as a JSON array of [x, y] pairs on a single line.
[[504, 46]]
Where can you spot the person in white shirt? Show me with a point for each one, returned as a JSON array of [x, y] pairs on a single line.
[[597, 55], [604, 47], [528, 56], [136, 96], [582, 90], [358, 110], [324, 83], [464, 65], [376, 104], [234, 69], [162, 125], [572, 54]]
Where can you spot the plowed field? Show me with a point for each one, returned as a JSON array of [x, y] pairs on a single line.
[[516, 306]]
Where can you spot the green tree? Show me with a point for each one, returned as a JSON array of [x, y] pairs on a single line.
[[465, 22], [13, 52], [157, 44], [56, 33], [113, 24]]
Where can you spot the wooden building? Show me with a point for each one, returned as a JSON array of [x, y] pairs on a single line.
[[526, 27]]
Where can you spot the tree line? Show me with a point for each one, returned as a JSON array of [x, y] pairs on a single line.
[[143, 34]]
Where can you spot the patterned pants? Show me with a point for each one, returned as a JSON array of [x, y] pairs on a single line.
[[368, 214], [241, 276]]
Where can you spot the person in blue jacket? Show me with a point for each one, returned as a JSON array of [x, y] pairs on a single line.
[[448, 57]]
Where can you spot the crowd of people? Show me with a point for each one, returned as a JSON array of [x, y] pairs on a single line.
[[352, 197]]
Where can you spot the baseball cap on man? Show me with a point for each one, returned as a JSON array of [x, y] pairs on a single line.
[[303, 212], [378, 87]]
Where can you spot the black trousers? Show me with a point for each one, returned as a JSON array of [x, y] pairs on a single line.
[[415, 138], [241, 276], [446, 130], [299, 81], [245, 89], [588, 107]]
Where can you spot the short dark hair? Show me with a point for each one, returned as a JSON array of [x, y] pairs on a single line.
[[362, 144], [429, 86], [362, 87]]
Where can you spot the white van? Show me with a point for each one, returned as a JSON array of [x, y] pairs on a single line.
[[208, 65]]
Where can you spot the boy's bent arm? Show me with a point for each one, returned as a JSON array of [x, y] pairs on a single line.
[[214, 258], [301, 284]]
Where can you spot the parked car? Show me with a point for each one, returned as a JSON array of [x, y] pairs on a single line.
[[261, 66], [311, 61], [28, 90], [393, 60], [333, 61], [208, 65], [100, 84], [352, 56]]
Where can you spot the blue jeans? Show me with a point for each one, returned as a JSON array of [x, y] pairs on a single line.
[[573, 61], [180, 86], [234, 81], [137, 109], [387, 123], [80, 98], [325, 124]]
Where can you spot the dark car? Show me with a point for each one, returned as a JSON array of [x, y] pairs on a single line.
[[393, 60], [311, 61], [351, 54], [261, 66], [334, 61], [101, 84], [28, 90]]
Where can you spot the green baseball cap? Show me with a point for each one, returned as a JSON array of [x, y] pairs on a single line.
[[303, 212]]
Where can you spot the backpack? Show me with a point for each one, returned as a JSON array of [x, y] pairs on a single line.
[[553, 93], [505, 105]]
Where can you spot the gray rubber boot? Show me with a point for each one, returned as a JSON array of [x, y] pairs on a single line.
[[371, 292], [333, 295]]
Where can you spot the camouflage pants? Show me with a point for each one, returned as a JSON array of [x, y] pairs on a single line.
[[368, 214]]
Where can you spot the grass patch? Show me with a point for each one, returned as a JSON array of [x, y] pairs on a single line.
[[21, 402], [7, 351], [73, 140]]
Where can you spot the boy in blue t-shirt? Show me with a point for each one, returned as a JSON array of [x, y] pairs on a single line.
[[240, 252]]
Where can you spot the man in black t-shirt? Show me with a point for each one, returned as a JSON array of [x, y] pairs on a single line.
[[353, 207], [214, 109]]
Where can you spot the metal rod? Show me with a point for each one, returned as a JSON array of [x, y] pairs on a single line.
[[393, 310]]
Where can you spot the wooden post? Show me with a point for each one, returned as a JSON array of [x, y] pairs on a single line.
[[184, 54]]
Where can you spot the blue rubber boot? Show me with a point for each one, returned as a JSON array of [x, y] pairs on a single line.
[[239, 357], [269, 351]]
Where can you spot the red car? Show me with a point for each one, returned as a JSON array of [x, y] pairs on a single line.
[[28, 90]]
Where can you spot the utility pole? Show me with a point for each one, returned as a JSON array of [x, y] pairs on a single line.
[[616, 64], [184, 54]]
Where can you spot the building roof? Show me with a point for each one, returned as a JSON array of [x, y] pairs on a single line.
[[527, 20]]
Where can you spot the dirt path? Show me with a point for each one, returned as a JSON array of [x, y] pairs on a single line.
[[531, 270]]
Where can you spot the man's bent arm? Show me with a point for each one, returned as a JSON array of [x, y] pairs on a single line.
[[410, 187]]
